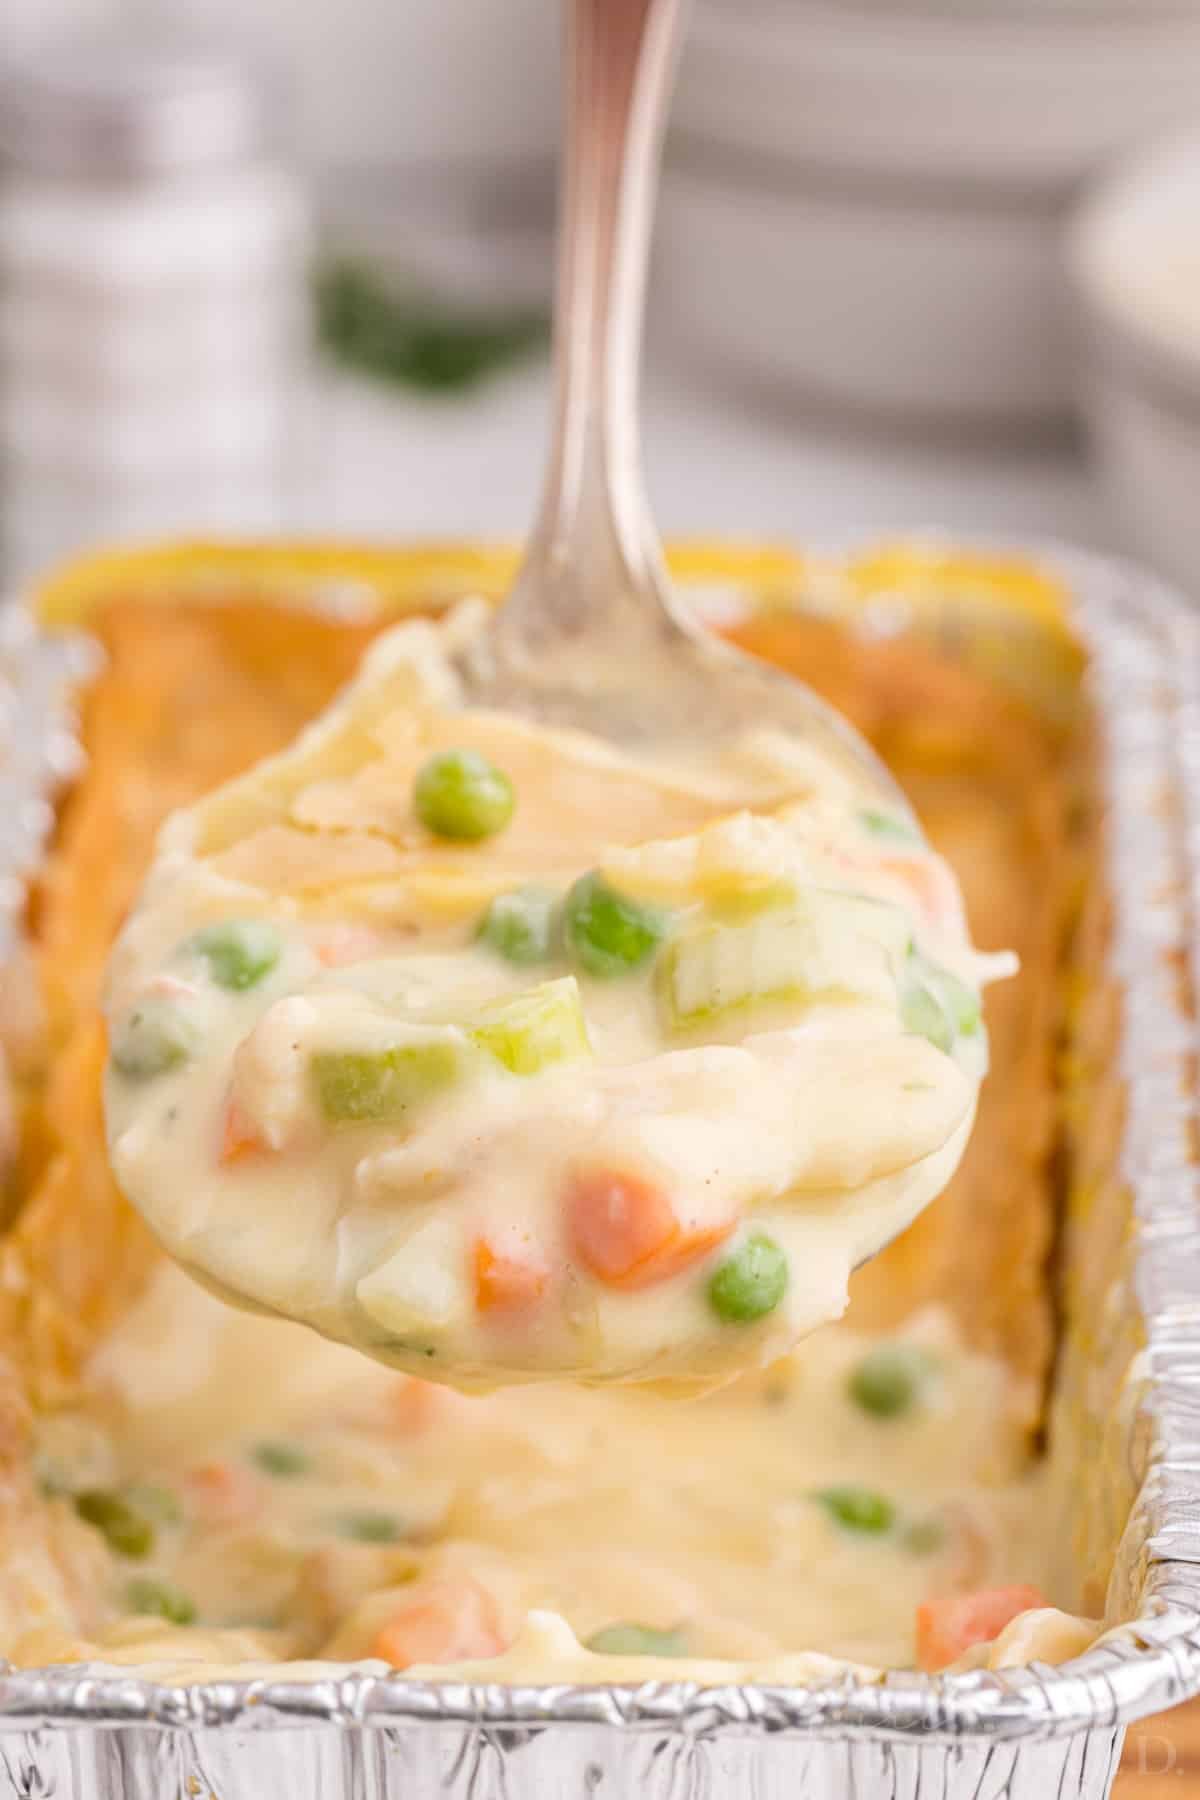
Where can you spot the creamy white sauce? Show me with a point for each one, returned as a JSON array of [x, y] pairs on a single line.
[[493, 1171]]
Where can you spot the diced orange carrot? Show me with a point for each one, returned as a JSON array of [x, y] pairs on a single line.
[[506, 1283], [952, 1623], [415, 1404], [238, 1135], [222, 1494], [690, 1246], [450, 1620], [625, 1231]]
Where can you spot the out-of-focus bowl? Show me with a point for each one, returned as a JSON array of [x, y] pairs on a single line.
[[865, 203], [1135, 264]]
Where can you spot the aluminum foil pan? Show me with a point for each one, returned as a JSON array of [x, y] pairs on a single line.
[[1127, 1410], [39, 746]]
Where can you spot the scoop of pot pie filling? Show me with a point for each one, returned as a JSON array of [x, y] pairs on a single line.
[[499, 1052]]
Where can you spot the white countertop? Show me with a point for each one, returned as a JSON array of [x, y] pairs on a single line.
[[399, 465]]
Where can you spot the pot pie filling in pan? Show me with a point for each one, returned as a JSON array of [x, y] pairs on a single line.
[[192, 1490]]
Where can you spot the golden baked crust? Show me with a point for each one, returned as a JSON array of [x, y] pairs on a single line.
[[192, 694], [187, 698]]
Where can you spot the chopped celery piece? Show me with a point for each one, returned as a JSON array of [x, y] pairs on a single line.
[[925, 1016], [715, 968], [608, 934], [961, 1002], [858, 1509], [162, 1599], [459, 794], [819, 943], [383, 1086], [935, 1004], [750, 1282], [521, 926], [239, 952], [637, 1640], [530, 1031], [155, 1036], [735, 904]]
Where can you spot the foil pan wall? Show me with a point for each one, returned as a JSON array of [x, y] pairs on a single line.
[[1024, 1734], [39, 746]]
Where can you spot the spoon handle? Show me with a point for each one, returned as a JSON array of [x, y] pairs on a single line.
[[594, 550]]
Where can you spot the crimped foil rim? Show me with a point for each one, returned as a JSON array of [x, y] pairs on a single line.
[[1141, 637]]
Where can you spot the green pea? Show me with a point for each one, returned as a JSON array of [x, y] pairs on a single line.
[[125, 1527], [607, 934], [239, 952], [369, 1527], [283, 1460], [888, 825], [858, 1509], [890, 1379], [461, 795], [161, 1599], [384, 1086], [155, 1036], [637, 1640], [750, 1283], [521, 926]]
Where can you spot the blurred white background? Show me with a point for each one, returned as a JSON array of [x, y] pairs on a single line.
[[374, 80], [425, 132]]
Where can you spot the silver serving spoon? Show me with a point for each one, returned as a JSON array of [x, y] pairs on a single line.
[[591, 634]]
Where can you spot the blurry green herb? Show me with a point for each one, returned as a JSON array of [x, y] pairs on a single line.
[[415, 341]]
